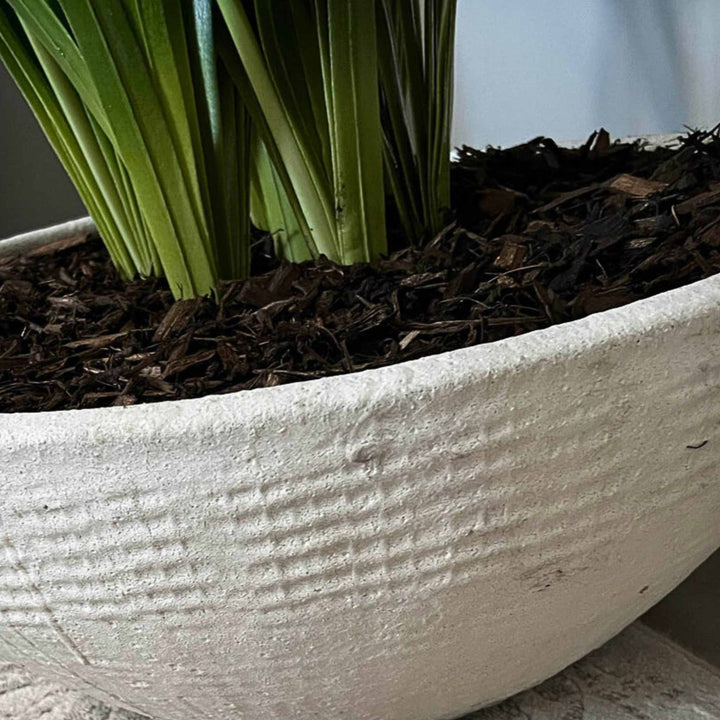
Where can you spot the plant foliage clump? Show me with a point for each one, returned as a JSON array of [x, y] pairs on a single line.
[[180, 120]]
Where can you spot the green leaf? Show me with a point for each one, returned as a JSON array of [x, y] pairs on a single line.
[[314, 101], [279, 130], [416, 42], [16, 51], [261, 129], [349, 62], [271, 210], [234, 256], [149, 144], [47, 27]]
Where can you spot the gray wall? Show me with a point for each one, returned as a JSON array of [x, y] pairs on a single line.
[[34, 190], [524, 68]]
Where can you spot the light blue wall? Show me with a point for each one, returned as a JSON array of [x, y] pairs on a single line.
[[524, 68], [565, 67]]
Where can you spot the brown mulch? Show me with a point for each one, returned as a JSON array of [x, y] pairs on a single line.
[[541, 235]]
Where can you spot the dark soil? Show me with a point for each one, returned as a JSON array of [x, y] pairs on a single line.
[[541, 235]]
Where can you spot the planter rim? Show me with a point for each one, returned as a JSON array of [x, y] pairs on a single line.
[[36, 239]]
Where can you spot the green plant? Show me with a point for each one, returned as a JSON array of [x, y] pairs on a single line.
[[311, 83], [178, 120], [148, 125]]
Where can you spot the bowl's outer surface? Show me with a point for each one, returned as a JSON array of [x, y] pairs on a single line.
[[399, 544]]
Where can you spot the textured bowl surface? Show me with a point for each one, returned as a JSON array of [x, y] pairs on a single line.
[[399, 544]]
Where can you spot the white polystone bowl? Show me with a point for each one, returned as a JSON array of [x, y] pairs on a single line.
[[406, 543]]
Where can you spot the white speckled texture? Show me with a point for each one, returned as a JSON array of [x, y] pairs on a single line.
[[638, 675], [399, 544]]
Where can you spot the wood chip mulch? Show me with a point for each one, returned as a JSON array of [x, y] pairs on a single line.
[[540, 235]]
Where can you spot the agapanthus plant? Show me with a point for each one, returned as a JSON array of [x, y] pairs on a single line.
[[179, 120]]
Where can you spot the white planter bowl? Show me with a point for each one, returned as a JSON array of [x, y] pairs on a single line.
[[407, 543]]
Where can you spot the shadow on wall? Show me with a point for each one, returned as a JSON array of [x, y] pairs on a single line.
[[690, 615]]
